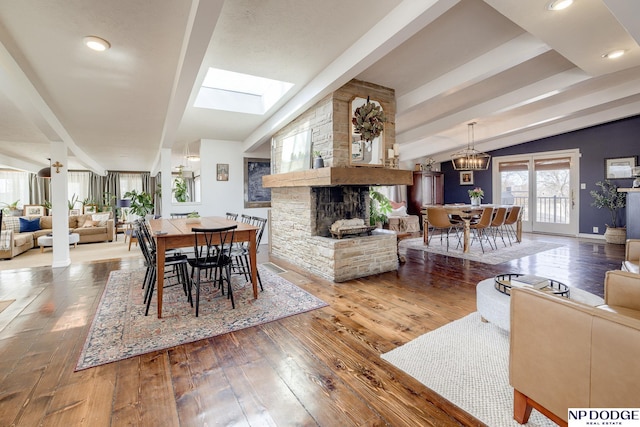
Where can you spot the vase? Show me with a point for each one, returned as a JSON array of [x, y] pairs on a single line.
[[616, 236], [318, 163], [475, 201]]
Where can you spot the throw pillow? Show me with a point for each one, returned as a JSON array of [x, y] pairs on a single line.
[[29, 225], [401, 211], [11, 223], [396, 205], [100, 219], [89, 224]]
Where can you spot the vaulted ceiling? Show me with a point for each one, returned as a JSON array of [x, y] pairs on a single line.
[[519, 70]]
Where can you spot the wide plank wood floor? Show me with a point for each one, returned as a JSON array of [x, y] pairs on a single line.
[[318, 368]]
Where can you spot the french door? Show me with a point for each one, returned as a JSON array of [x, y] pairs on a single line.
[[545, 184]]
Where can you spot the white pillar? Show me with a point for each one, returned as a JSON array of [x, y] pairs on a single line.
[[165, 168], [59, 203]]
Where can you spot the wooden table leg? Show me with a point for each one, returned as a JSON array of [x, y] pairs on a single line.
[[519, 230], [425, 226], [160, 253], [467, 234], [254, 263]]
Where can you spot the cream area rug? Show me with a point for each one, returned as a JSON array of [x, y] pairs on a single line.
[[490, 256], [84, 252], [467, 362]]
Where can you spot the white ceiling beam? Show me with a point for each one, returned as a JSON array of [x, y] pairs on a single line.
[[202, 21], [25, 96], [400, 24], [504, 57]]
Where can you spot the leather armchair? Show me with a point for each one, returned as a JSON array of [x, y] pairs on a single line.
[[632, 256], [564, 354]]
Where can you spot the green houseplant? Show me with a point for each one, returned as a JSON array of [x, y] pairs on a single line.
[[141, 203], [609, 198], [12, 208], [379, 207], [180, 188]]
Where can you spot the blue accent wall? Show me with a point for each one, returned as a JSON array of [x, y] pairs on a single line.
[[620, 138]]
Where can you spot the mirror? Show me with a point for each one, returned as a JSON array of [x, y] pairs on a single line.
[[366, 147], [185, 175]]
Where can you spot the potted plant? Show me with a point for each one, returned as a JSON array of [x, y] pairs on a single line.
[[608, 197], [476, 196], [318, 161], [12, 208], [193, 217], [180, 188], [379, 208], [47, 206], [141, 203], [72, 203]]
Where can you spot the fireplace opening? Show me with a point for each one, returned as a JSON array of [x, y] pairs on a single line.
[[330, 204]]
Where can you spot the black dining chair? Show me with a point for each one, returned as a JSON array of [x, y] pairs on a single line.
[[175, 267], [232, 216], [211, 260], [240, 251]]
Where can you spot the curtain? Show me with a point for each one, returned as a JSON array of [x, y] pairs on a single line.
[[96, 189], [112, 184], [157, 200], [39, 190]]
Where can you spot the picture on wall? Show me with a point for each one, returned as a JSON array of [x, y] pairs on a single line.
[[34, 210], [621, 167], [74, 212], [255, 195], [222, 171], [466, 178]]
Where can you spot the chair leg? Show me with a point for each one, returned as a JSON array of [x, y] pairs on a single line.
[[152, 284]]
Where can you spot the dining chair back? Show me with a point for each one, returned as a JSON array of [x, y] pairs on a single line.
[[478, 229], [240, 251], [232, 216], [515, 213], [496, 225], [212, 262], [438, 219]]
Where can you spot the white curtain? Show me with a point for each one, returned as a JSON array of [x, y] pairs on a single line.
[[14, 185], [129, 182], [78, 184]]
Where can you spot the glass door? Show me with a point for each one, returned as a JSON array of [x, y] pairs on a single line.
[[545, 185]]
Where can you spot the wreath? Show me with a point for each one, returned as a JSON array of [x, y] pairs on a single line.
[[368, 121]]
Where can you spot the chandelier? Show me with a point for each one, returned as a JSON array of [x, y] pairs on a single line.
[[470, 159]]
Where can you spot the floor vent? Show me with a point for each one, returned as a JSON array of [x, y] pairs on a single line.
[[273, 268]]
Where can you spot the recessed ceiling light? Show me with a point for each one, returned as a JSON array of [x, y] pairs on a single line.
[[559, 4], [96, 43], [614, 54]]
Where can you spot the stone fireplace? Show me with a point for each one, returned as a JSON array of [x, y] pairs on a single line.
[[305, 203]]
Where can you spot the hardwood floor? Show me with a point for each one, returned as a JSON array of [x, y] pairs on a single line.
[[317, 368]]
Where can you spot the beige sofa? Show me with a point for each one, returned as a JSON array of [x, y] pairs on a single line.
[[564, 354], [631, 261], [90, 227]]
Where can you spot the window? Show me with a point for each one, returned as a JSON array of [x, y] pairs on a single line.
[[14, 185], [129, 182]]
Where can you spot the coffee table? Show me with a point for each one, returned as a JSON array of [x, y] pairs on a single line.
[[47, 240]]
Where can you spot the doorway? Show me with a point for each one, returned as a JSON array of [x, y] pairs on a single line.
[[545, 185]]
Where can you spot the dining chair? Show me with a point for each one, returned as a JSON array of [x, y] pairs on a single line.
[[211, 260], [175, 215], [232, 216], [240, 251], [130, 234], [175, 267], [512, 217], [438, 219], [497, 224], [479, 228]]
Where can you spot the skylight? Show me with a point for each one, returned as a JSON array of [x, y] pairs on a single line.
[[241, 93]]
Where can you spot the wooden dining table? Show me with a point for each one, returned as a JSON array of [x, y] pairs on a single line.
[[466, 213], [177, 233]]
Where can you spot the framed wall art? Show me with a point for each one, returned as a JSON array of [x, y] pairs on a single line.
[[466, 178], [255, 195], [34, 210], [222, 171], [90, 209], [621, 167]]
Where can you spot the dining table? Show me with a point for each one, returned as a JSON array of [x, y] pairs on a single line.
[[178, 233], [467, 213]]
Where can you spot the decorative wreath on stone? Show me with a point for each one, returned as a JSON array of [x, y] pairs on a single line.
[[368, 121]]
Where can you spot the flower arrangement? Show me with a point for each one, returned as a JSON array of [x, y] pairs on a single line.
[[476, 193], [368, 121]]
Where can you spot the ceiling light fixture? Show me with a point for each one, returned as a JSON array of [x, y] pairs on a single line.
[[470, 159], [190, 157], [96, 43], [559, 4], [614, 54]]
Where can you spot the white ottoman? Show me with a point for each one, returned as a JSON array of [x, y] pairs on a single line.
[[43, 241], [495, 307]]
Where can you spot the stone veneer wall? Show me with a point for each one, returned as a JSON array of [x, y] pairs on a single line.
[[293, 226], [337, 260]]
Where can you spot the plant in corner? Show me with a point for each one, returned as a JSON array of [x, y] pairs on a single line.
[[608, 197], [379, 207], [180, 187]]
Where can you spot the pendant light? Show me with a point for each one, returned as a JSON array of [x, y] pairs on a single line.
[[45, 172], [470, 159]]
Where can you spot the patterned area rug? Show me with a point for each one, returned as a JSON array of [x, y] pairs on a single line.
[[490, 256], [467, 362], [121, 330]]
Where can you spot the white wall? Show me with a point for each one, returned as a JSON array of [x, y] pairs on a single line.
[[219, 197]]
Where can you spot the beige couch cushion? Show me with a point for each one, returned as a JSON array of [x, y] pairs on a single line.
[[46, 222], [22, 238]]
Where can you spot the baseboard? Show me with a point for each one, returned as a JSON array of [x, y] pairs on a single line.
[[591, 236]]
